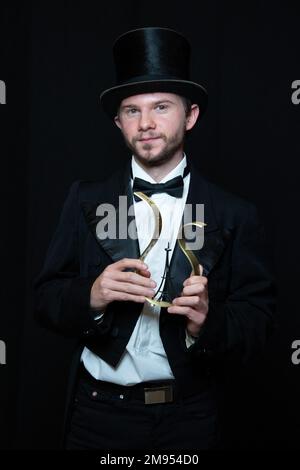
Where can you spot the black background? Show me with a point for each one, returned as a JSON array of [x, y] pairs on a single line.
[[55, 60]]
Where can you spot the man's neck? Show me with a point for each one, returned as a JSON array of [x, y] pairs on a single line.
[[158, 172]]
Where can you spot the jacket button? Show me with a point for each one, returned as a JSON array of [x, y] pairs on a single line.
[[115, 332], [88, 332], [201, 352]]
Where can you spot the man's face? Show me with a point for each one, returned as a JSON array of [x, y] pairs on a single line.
[[154, 126]]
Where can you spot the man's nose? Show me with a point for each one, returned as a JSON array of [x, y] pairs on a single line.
[[146, 121]]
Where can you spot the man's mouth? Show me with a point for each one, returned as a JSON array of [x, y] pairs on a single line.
[[147, 139]]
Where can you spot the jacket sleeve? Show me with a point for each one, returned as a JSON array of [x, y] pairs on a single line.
[[239, 325], [62, 296]]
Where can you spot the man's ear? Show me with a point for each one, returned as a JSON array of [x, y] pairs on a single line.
[[192, 117], [117, 121]]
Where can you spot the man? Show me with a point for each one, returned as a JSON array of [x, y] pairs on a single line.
[[145, 375]]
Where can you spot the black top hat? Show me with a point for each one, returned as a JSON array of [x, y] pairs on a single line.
[[151, 60]]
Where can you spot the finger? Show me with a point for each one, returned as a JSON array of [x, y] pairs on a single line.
[[127, 287], [128, 263], [125, 297], [144, 273], [195, 279], [133, 278], [192, 301], [189, 312], [196, 303], [194, 289]]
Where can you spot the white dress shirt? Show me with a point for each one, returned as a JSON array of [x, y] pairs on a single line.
[[144, 358]]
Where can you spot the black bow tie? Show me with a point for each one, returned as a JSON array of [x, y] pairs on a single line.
[[174, 187]]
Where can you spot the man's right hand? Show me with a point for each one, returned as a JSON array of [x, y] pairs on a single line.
[[115, 284]]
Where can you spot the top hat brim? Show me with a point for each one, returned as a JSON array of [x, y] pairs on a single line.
[[111, 98]]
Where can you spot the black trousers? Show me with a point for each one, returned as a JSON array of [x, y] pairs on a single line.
[[104, 419]]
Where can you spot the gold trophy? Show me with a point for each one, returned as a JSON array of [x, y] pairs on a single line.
[[196, 268]]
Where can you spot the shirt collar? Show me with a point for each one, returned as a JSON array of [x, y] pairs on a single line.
[[139, 172]]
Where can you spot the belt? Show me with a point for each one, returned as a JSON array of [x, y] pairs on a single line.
[[150, 393]]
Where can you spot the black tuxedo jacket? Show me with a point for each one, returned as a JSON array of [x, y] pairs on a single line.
[[240, 286]]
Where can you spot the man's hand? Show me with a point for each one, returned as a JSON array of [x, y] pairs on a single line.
[[193, 303], [115, 284]]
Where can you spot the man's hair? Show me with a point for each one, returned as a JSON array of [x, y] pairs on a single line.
[[187, 103]]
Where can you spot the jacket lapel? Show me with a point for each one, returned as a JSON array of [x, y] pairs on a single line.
[[118, 244], [214, 237]]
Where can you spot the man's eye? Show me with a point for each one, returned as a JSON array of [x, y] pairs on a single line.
[[161, 107], [132, 111]]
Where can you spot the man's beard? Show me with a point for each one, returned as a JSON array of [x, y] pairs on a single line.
[[173, 144]]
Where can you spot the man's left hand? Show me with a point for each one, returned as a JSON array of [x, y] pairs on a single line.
[[193, 303]]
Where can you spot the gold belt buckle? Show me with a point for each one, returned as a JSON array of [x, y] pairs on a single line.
[[158, 395]]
